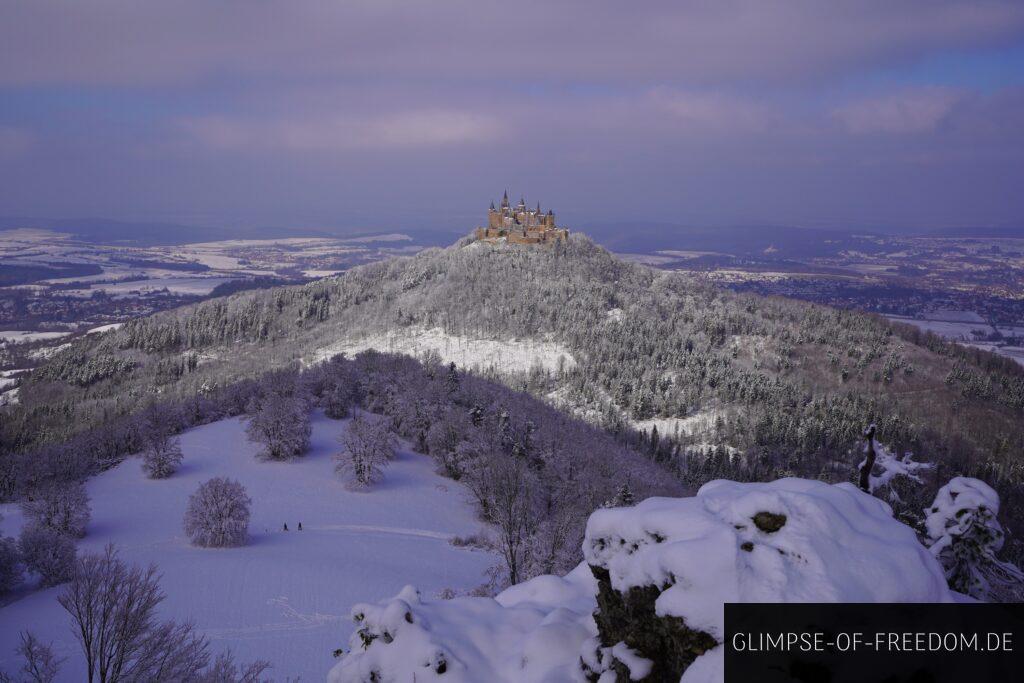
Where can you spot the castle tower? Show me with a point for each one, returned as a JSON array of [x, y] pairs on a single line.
[[493, 217]]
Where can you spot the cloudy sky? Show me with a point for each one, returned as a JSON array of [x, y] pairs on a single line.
[[381, 114]]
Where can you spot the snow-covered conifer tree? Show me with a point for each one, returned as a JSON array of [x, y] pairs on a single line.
[[966, 537]]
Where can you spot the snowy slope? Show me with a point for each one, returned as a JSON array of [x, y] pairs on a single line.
[[286, 596], [791, 540], [505, 356]]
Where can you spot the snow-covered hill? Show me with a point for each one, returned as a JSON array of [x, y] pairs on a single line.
[[286, 596]]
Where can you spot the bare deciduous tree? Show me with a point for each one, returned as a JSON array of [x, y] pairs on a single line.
[[10, 564], [113, 609], [39, 664], [225, 670], [47, 553], [161, 451], [281, 425], [369, 445], [64, 508], [509, 490]]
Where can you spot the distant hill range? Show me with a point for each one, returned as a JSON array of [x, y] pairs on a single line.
[[760, 241], [1004, 232], [153, 234]]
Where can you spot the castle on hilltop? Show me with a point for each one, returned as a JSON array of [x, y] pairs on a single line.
[[520, 225]]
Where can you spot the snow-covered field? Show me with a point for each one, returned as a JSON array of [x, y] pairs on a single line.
[[286, 596], [964, 332], [698, 423], [505, 356], [18, 336], [199, 286], [949, 329], [105, 328]]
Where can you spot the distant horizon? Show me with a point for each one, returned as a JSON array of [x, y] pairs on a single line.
[[434, 232], [892, 117]]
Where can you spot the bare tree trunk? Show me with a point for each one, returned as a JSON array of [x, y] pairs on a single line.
[[869, 460]]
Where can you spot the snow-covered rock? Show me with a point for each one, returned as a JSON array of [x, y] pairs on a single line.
[[673, 560], [530, 632]]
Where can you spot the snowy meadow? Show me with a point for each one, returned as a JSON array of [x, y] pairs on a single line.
[[286, 595]]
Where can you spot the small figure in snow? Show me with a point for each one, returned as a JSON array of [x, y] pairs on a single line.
[[286, 526], [300, 526]]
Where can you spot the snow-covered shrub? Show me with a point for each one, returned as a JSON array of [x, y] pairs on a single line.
[[64, 508], [218, 514], [48, 553], [10, 565], [369, 446], [966, 536], [161, 451], [791, 540], [281, 425]]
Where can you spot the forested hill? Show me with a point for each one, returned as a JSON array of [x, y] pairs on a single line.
[[736, 385]]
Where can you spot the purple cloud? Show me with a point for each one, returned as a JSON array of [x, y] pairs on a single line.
[[403, 113], [145, 42]]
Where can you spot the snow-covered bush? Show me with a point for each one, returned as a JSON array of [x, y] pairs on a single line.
[[10, 565], [48, 553], [281, 425], [64, 508], [218, 514], [791, 540], [966, 536], [369, 446]]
